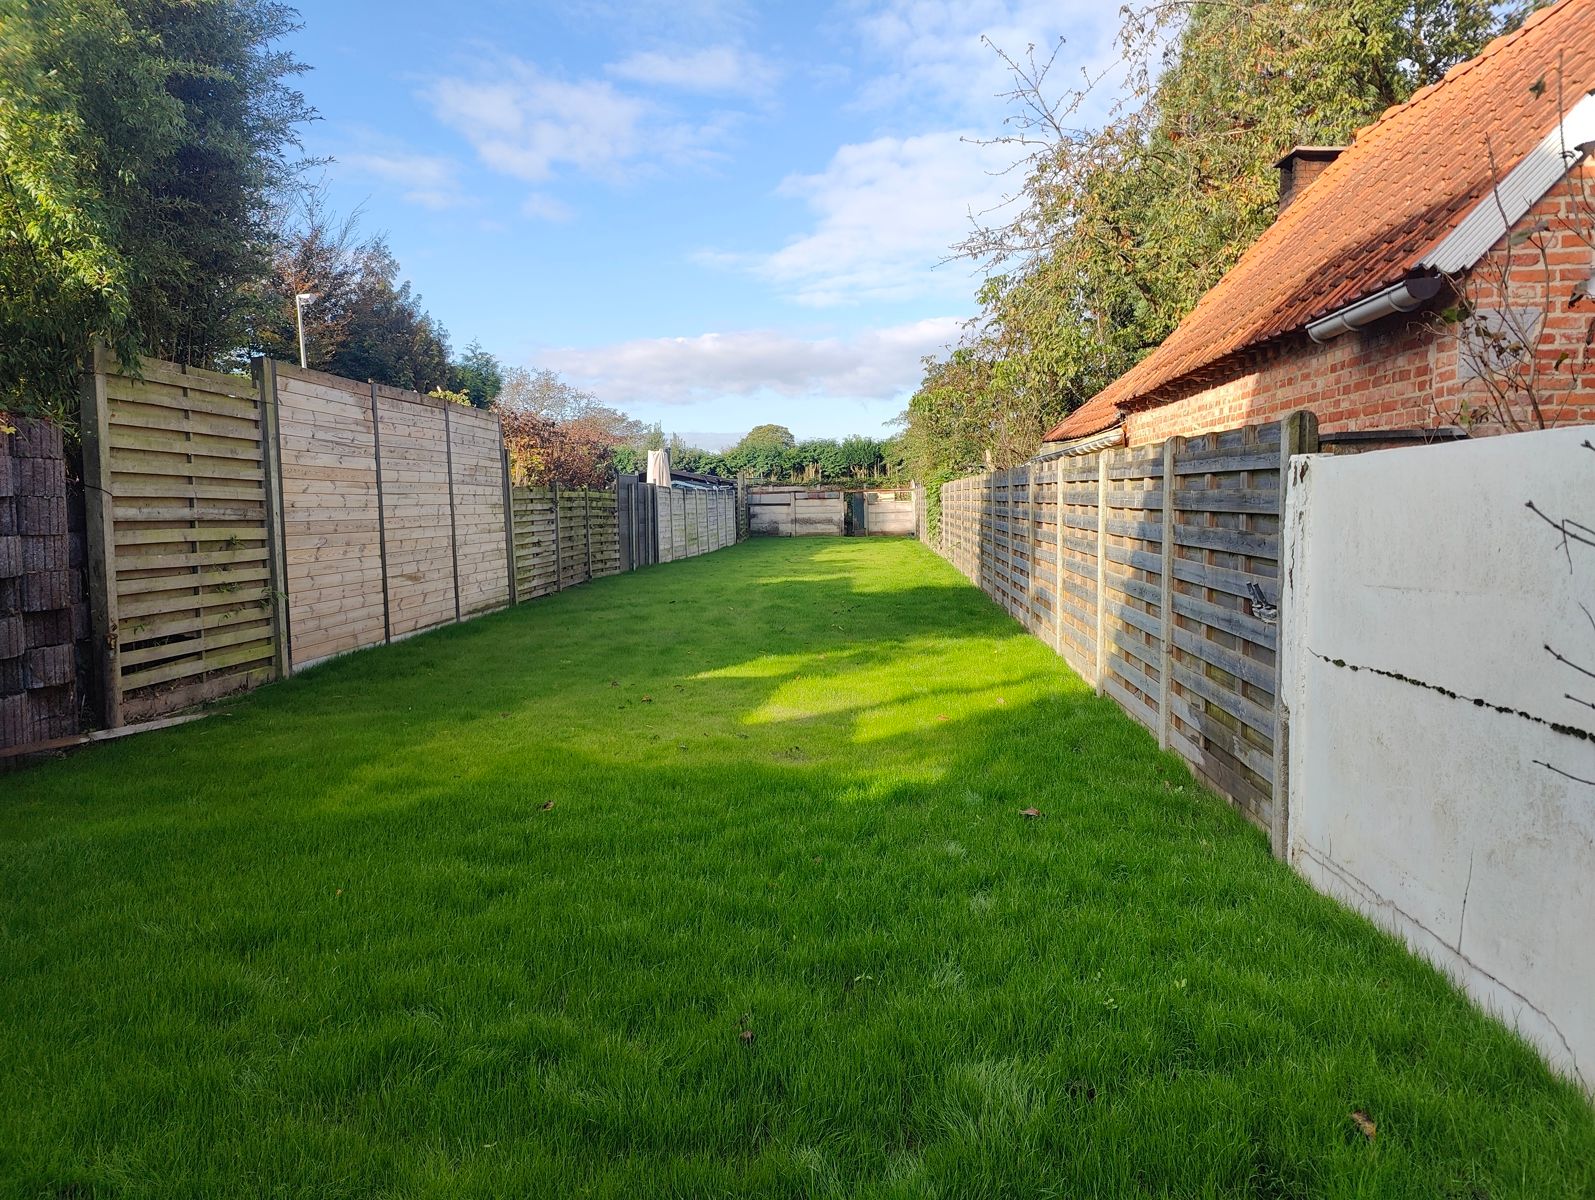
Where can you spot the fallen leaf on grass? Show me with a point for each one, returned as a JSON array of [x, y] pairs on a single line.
[[1361, 1121], [941, 716], [548, 806], [1032, 813]]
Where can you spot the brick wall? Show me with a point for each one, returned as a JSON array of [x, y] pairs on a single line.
[[1405, 371], [43, 609]]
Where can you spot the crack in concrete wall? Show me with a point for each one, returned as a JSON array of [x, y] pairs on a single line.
[[1572, 731]]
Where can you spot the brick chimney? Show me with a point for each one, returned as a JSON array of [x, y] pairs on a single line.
[[1300, 167]]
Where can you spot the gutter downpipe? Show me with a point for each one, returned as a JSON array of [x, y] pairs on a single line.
[[1405, 296]]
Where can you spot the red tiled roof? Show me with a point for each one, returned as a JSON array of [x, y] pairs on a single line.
[[1372, 215]]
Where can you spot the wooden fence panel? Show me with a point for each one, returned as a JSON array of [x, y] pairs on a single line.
[[478, 485], [536, 560], [1132, 618], [1226, 506], [573, 558], [1076, 542], [605, 534], [182, 534], [417, 531], [330, 514], [1139, 566]]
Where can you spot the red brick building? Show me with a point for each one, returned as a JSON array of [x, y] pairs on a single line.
[[1477, 192]]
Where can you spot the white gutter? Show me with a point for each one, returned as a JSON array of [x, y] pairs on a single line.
[[1524, 186], [1090, 444], [1401, 297]]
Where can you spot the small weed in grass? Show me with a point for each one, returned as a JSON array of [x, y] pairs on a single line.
[[712, 880]]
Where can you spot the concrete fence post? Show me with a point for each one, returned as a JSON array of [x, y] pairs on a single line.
[[1298, 434]]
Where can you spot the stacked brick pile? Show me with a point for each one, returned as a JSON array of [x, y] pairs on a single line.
[[43, 612]]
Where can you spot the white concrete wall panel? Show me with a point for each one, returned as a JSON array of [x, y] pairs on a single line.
[[1438, 750]]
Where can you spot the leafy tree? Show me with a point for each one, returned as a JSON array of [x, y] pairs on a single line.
[[366, 322], [558, 433], [478, 374], [1121, 228], [138, 142], [767, 437]]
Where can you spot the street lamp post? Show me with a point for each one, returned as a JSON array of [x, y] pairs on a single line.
[[302, 299]]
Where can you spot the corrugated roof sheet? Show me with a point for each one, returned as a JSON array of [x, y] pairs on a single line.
[[1371, 216]]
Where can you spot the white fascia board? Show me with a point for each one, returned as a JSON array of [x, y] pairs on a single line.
[[1524, 186]]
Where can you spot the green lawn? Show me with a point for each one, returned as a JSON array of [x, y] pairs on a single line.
[[782, 933]]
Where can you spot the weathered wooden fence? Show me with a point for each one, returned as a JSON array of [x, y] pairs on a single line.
[[1154, 572], [239, 530], [694, 521]]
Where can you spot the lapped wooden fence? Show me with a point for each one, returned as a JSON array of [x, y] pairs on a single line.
[[240, 530], [1138, 566]]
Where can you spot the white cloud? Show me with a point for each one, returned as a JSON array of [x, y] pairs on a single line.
[[683, 20], [541, 207], [525, 123], [935, 54], [886, 212], [712, 70], [430, 180], [875, 364]]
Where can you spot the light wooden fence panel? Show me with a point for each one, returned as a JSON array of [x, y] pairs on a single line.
[[477, 461], [180, 535], [241, 529], [1076, 541], [415, 508], [1132, 618], [330, 514]]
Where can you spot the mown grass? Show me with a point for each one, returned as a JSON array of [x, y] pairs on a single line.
[[782, 933]]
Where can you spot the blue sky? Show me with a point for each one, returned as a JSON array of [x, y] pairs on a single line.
[[710, 213]]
